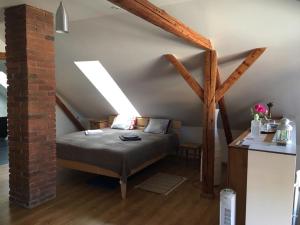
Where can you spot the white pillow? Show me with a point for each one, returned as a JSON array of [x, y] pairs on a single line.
[[157, 126], [123, 122]]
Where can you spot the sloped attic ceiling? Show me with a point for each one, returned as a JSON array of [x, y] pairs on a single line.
[[131, 50], [76, 88]]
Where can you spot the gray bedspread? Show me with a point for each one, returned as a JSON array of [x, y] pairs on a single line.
[[106, 150]]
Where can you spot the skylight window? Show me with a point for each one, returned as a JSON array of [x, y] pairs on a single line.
[[3, 79], [106, 85]]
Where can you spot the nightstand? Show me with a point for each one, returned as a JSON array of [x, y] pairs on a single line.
[[100, 124], [187, 148]]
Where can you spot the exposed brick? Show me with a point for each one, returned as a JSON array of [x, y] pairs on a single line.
[[31, 105]]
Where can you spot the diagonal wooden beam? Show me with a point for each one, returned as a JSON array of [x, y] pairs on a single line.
[[160, 18], [250, 59], [186, 75], [199, 91], [208, 142], [211, 84], [69, 114], [223, 112]]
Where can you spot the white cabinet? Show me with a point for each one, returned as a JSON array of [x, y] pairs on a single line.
[[270, 181], [262, 174]]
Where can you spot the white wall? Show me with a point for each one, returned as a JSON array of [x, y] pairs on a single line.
[[3, 91], [3, 105], [63, 123], [2, 45]]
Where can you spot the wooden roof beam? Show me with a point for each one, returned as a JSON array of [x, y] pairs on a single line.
[[223, 113], [2, 56], [200, 93], [69, 114], [151, 13], [186, 75], [242, 68], [208, 142]]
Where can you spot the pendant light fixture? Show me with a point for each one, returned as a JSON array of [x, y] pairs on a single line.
[[61, 19]]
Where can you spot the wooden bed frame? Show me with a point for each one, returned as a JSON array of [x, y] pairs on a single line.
[[85, 167]]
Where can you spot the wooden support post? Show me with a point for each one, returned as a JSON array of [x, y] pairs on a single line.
[[251, 58], [223, 112], [147, 11], [199, 91], [186, 75], [210, 78], [2, 56], [69, 114]]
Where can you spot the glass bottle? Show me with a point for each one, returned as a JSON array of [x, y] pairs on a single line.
[[255, 126]]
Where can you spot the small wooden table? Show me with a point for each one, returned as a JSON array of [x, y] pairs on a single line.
[[188, 147]]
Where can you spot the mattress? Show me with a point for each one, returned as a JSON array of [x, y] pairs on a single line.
[[106, 150]]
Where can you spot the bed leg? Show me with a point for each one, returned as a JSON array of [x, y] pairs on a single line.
[[123, 189]]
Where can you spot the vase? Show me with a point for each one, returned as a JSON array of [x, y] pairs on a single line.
[[255, 128]]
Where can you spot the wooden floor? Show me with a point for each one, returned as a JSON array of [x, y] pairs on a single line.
[[80, 203]]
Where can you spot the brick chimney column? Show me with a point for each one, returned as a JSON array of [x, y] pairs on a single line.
[[30, 65]]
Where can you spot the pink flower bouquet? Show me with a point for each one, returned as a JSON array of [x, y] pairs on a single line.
[[259, 110]]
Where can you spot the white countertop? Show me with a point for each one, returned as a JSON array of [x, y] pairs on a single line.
[[263, 143]]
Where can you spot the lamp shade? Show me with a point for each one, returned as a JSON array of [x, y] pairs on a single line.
[[61, 20]]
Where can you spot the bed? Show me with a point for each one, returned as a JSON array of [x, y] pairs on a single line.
[[105, 154]]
